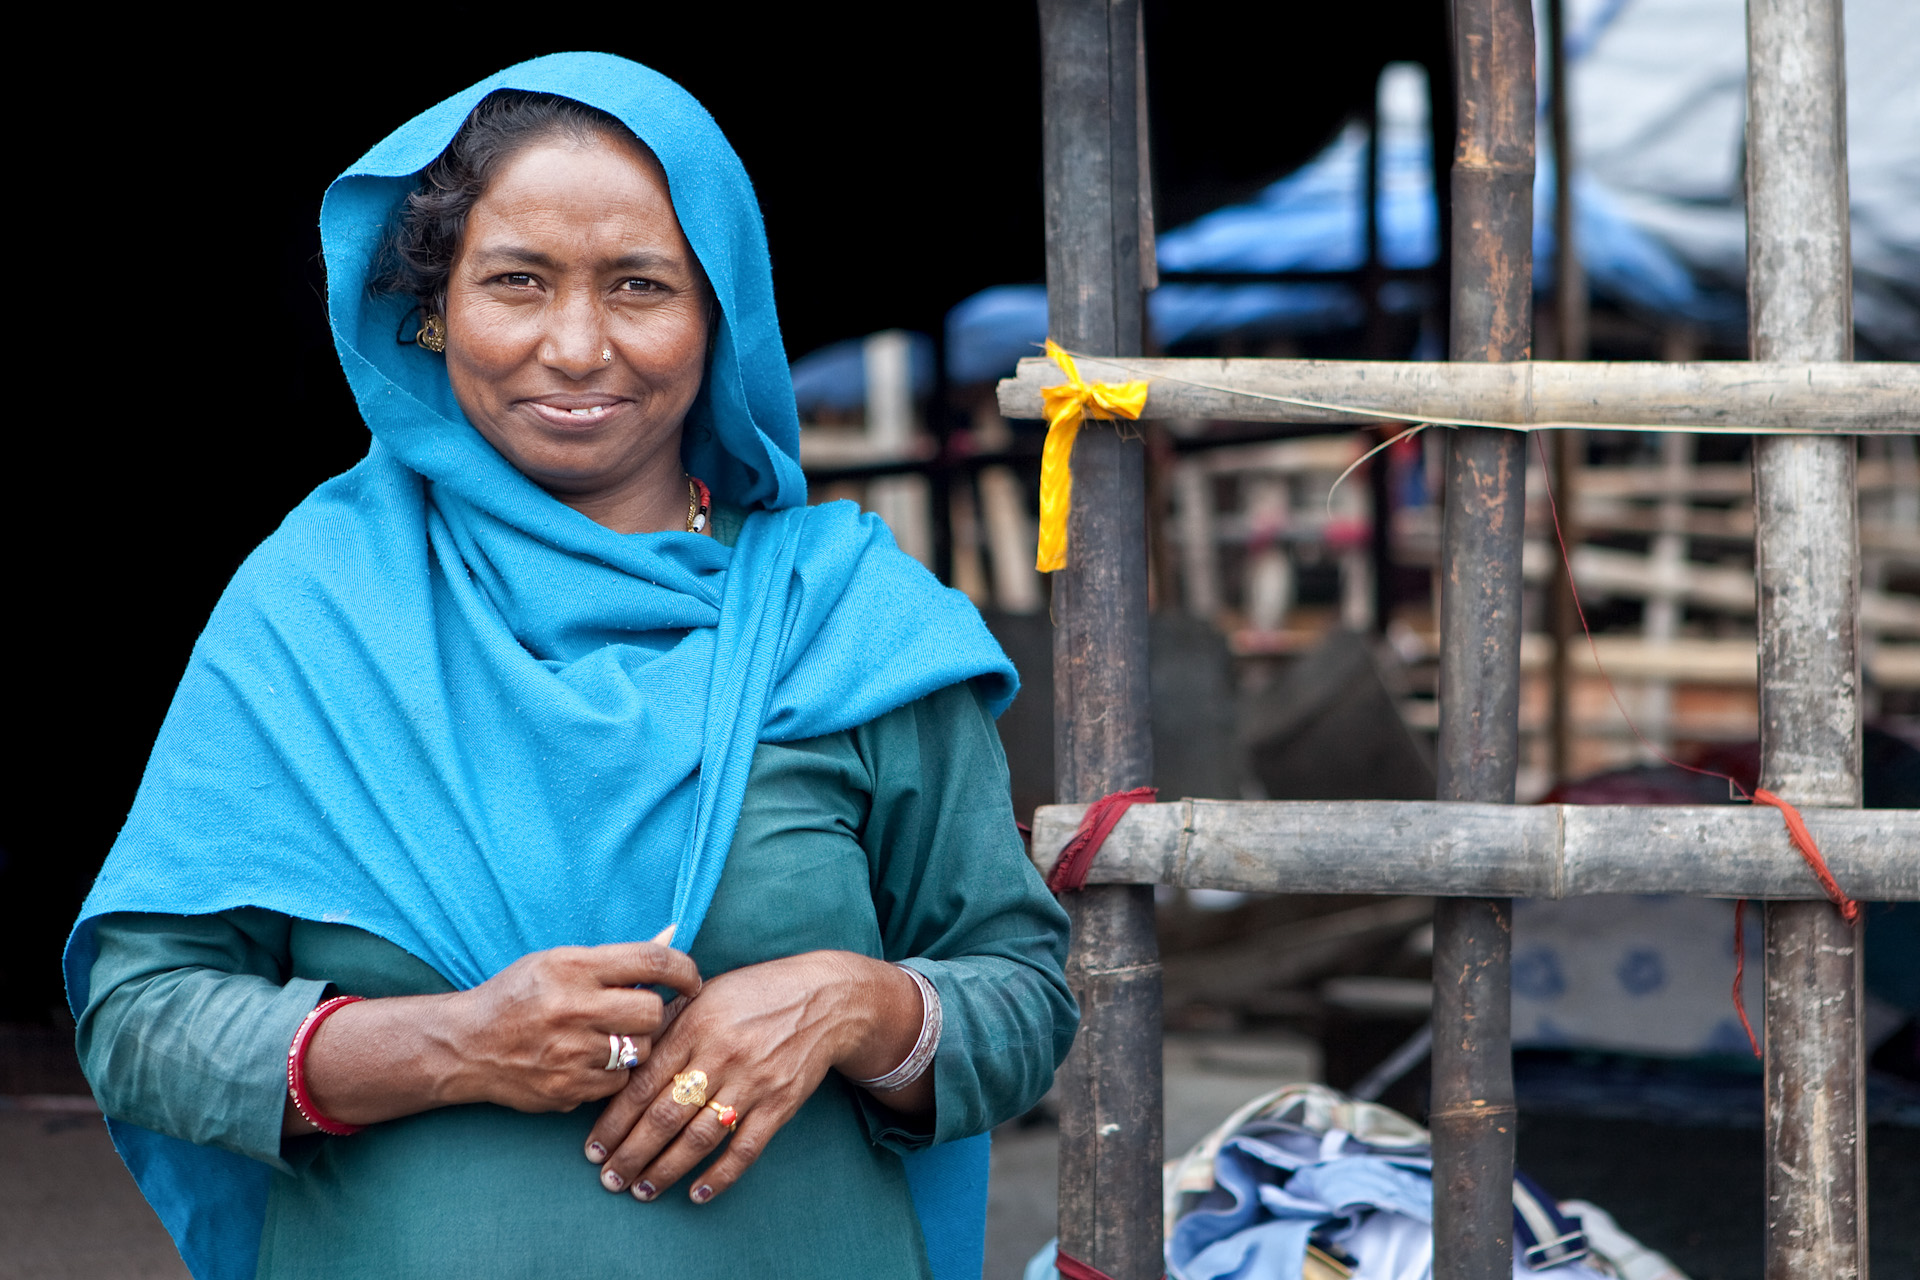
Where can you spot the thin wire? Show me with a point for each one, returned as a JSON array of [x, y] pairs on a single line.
[[1357, 462]]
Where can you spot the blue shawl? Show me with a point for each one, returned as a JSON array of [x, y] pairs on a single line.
[[446, 708]]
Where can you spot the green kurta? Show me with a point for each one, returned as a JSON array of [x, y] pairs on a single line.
[[895, 840]]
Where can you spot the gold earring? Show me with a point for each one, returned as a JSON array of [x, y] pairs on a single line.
[[433, 333]]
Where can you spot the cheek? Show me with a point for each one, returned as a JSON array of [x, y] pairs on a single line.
[[669, 346], [483, 341]]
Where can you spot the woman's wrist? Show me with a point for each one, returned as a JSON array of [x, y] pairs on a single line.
[[297, 1093], [919, 1059], [884, 1017], [448, 1070], [381, 1059]]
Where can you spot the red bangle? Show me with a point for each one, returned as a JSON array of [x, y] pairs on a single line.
[[297, 1068]]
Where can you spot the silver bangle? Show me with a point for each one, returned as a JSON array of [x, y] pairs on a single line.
[[921, 1056]]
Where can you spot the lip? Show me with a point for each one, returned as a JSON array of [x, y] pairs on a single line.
[[573, 412]]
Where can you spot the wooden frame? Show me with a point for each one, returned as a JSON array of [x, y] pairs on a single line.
[[1471, 845]]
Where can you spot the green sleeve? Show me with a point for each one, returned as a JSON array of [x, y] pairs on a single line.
[[957, 899], [187, 1025]]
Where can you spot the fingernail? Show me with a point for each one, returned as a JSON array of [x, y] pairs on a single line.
[[702, 1193], [596, 1152], [612, 1180], [643, 1190], [665, 936]]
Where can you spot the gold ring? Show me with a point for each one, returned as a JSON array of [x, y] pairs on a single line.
[[728, 1116], [690, 1089]]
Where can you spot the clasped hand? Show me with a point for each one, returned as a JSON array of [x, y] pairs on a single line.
[[764, 1038], [535, 1037], [549, 1016]]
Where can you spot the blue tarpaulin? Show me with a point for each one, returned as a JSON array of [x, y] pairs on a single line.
[[1314, 219], [1657, 102], [835, 377]]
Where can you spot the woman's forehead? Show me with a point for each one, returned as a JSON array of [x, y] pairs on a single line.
[[562, 159], [595, 190]]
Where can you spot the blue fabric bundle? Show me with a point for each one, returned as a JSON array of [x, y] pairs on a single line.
[[1276, 1190], [1281, 1182], [444, 707]]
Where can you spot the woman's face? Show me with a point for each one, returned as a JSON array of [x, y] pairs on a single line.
[[577, 327]]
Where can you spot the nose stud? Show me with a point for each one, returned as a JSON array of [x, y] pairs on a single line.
[[606, 355]]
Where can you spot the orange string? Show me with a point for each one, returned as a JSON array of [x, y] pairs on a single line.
[[1740, 973], [1803, 841], [1796, 825]]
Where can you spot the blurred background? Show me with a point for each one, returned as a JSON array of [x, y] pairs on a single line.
[[1296, 154]]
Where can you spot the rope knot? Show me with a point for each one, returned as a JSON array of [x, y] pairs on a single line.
[[1102, 816]]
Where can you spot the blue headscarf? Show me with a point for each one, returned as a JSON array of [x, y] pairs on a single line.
[[442, 706]]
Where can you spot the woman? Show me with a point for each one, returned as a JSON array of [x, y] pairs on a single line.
[[566, 664]]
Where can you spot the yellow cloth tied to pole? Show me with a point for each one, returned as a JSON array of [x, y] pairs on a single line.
[[1067, 406]]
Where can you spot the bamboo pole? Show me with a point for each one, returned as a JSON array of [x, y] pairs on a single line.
[[1807, 564], [1824, 397], [1472, 1110], [1110, 1113], [1523, 851], [1570, 341]]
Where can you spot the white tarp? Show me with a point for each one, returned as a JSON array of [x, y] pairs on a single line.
[[1659, 118]]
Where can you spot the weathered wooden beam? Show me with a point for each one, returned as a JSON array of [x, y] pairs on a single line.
[[1818, 397], [1110, 1108], [1523, 851], [1807, 561]]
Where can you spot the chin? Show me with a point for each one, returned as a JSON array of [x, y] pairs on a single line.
[[572, 484]]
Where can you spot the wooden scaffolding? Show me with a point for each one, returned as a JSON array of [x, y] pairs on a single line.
[[1471, 846]]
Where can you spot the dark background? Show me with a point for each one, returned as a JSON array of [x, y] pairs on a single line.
[[188, 394]]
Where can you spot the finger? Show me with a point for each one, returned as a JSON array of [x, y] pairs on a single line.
[[559, 1075], [616, 1049], [657, 1128], [654, 1076], [643, 1085], [743, 1148], [695, 1143], [664, 938], [632, 964], [623, 1011], [670, 1012], [574, 1065]]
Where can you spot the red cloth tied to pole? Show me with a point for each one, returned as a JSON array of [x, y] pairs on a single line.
[[1076, 860], [1069, 873], [1071, 1268]]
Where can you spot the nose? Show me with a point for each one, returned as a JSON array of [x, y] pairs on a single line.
[[575, 342]]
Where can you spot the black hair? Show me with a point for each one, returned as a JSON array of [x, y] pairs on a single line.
[[416, 255]]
